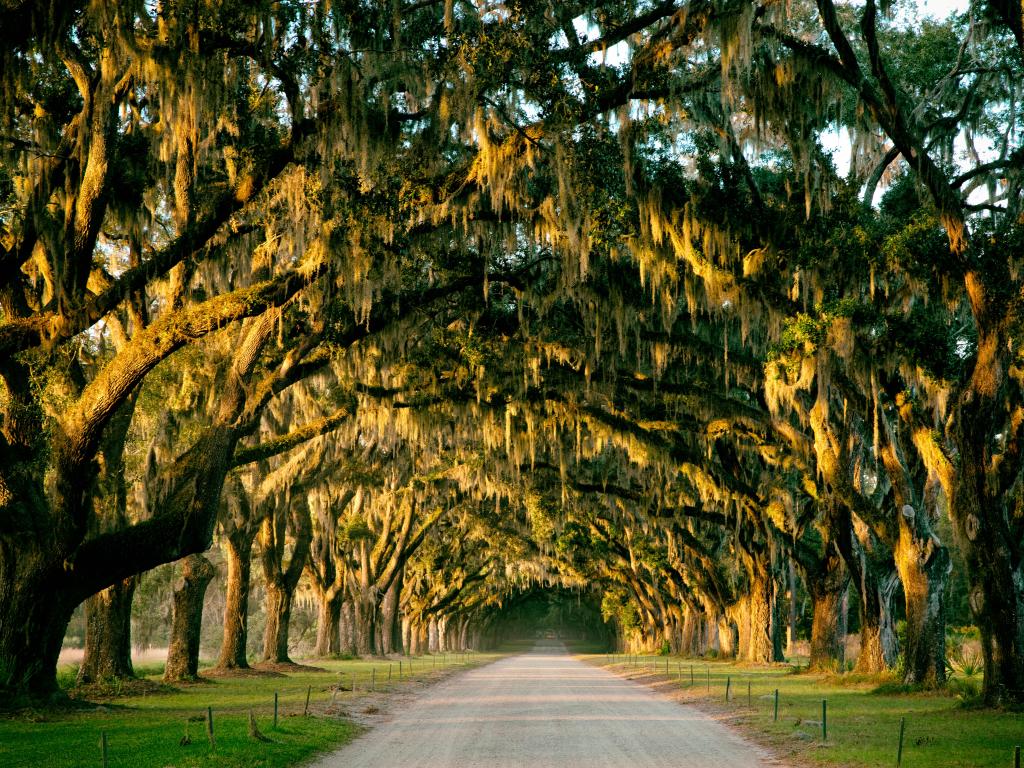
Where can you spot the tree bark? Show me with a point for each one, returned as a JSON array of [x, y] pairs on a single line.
[[187, 619], [108, 634], [328, 630], [878, 643], [764, 632], [238, 546], [282, 580], [827, 582], [365, 621], [346, 629], [924, 565], [986, 531], [32, 629], [791, 623], [390, 634], [279, 613]]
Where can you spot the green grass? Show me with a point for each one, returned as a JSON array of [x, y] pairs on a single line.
[[145, 729], [863, 724]]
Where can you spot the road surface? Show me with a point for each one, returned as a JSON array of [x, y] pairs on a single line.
[[545, 709]]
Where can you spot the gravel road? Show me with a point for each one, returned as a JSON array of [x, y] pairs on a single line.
[[545, 709]]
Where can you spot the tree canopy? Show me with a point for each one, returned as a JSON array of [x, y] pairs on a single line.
[[437, 304]]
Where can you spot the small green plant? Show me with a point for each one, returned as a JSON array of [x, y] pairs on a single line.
[[966, 690], [964, 664]]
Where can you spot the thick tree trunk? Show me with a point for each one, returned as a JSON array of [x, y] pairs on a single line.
[[390, 634], [108, 634], [878, 643], [827, 582], [987, 524], [691, 633], [406, 634], [433, 638], [328, 629], [826, 653], [365, 621], [346, 628], [279, 614], [761, 604], [187, 619], [236, 609], [765, 636], [727, 633], [32, 627], [924, 565], [873, 573]]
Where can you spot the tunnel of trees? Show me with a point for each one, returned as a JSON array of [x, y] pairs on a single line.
[[555, 614], [401, 313]]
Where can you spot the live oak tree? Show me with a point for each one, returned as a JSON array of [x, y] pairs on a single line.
[[579, 285]]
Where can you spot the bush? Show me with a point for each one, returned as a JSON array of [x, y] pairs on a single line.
[[963, 663]]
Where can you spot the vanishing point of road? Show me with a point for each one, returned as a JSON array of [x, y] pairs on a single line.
[[546, 709]]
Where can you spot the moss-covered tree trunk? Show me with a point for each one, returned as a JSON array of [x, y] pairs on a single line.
[[280, 579], [878, 643], [987, 525], [278, 606], [346, 628], [390, 631], [108, 634], [35, 615], [328, 621], [233, 650], [187, 619], [827, 582]]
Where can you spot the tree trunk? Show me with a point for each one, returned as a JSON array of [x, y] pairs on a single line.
[[827, 582], [761, 602], [873, 573], [108, 634], [406, 635], [32, 627], [878, 644], [365, 620], [924, 565], [279, 613], [791, 623], [986, 522], [187, 619], [346, 629], [765, 637], [328, 629], [691, 633], [433, 639], [236, 609], [826, 653], [389, 630]]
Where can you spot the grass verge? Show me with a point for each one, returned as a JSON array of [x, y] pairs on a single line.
[[862, 719], [145, 723]]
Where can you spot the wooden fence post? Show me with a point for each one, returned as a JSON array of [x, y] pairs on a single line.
[[209, 728]]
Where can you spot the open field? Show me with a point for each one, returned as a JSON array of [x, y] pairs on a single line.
[[145, 727], [863, 724]]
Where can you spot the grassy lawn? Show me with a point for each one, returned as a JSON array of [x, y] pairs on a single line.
[[863, 724], [145, 728]]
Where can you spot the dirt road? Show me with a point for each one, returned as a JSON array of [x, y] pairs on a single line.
[[546, 709]]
